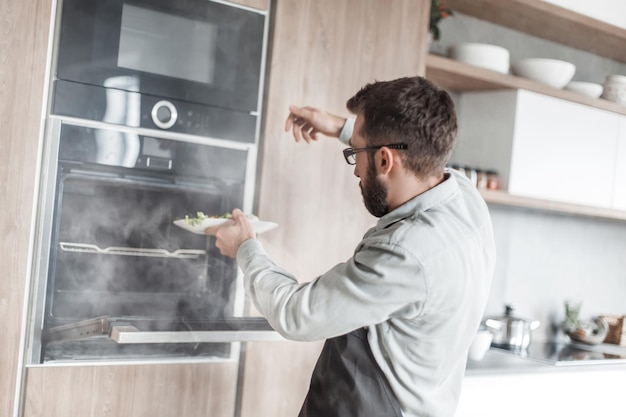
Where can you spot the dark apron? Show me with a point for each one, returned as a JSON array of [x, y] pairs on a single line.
[[347, 382]]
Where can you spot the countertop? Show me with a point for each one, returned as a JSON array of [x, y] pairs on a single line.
[[549, 356]]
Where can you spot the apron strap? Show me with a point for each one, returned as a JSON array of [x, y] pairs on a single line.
[[347, 382]]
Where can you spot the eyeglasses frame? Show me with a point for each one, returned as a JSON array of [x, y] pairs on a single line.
[[350, 152]]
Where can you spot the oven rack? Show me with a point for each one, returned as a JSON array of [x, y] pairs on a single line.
[[125, 251]]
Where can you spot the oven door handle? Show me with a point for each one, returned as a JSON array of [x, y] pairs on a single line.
[[126, 334]]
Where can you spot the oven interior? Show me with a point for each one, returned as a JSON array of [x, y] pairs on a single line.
[[115, 252]]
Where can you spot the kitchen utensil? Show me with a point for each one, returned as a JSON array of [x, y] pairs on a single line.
[[615, 89], [586, 89], [552, 72], [482, 55], [510, 332]]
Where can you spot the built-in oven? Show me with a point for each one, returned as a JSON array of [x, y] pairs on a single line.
[[154, 114], [118, 280], [201, 51]]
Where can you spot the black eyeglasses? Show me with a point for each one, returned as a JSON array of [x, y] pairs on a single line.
[[349, 153]]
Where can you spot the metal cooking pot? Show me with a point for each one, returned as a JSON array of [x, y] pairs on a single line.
[[510, 332]]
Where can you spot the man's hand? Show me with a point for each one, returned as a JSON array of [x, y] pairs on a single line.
[[307, 122], [232, 234]]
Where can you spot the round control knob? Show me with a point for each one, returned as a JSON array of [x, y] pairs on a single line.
[[164, 114]]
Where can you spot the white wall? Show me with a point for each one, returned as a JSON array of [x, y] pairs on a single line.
[[547, 258]]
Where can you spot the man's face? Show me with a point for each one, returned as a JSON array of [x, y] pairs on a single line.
[[374, 191]]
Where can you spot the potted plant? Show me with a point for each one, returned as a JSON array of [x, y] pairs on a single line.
[[438, 12]]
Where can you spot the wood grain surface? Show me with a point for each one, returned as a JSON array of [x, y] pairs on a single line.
[[323, 52], [24, 28]]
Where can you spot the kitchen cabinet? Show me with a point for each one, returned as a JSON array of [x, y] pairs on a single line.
[[23, 48], [619, 194], [575, 391], [543, 147], [551, 22], [323, 52]]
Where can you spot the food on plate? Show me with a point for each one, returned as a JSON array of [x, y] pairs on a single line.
[[200, 217], [201, 221]]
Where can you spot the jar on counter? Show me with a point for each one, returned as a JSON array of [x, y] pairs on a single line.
[[481, 179], [493, 180]]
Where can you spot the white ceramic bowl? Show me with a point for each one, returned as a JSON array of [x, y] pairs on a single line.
[[552, 72], [483, 55], [480, 345], [615, 89], [586, 89]]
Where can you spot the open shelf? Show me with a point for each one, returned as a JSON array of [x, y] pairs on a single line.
[[551, 22], [503, 198], [458, 76]]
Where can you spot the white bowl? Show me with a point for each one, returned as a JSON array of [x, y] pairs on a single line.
[[586, 89], [480, 344], [483, 55], [552, 72]]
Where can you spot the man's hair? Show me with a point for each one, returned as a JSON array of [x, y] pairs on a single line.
[[409, 110]]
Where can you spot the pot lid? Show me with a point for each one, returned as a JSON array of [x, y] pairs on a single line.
[[509, 319]]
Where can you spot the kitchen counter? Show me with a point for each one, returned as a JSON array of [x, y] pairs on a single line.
[[546, 356], [548, 380]]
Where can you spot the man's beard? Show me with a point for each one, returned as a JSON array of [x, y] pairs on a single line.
[[374, 193]]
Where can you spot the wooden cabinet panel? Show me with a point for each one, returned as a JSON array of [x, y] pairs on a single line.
[[549, 21], [144, 390], [23, 46], [255, 4], [323, 52]]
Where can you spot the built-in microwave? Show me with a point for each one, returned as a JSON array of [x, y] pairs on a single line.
[[201, 51]]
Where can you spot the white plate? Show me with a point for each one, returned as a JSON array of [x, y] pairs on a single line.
[[258, 225]]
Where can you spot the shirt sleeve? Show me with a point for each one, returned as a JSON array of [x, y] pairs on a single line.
[[379, 281], [346, 131]]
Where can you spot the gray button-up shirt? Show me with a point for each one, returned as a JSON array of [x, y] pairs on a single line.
[[419, 281]]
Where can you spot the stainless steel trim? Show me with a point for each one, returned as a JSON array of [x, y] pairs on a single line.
[[183, 137], [117, 250], [126, 334]]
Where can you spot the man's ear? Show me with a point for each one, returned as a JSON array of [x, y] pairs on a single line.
[[385, 160]]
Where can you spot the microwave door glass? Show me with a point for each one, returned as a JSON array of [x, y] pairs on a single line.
[[165, 44]]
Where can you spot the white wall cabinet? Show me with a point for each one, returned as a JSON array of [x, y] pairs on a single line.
[[619, 194], [544, 147]]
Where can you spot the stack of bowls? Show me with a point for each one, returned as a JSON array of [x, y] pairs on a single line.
[[615, 89]]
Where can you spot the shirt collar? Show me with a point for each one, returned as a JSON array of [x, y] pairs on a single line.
[[422, 202]]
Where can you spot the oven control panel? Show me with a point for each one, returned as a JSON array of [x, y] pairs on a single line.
[[129, 108]]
